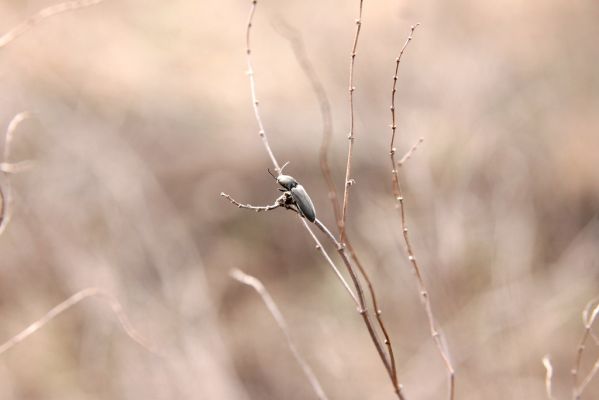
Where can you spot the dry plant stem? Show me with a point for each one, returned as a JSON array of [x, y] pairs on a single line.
[[250, 73], [410, 152], [548, 377], [47, 12], [364, 311], [341, 224], [397, 193], [278, 317], [348, 181], [7, 168], [294, 38], [588, 316], [70, 302], [297, 44]]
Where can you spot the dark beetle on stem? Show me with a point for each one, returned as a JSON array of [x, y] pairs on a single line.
[[298, 195]]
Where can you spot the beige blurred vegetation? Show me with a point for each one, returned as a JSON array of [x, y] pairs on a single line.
[[141, 116]]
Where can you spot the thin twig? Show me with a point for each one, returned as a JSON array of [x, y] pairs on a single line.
[[362, 309], [250, 73], [280, 320], [297, 44], [70, 302], [589, 315], [47, 12], [6, 190], [348, 180], [361, 306], [548, 376], [397, 193], [278, 203], [409, 153]]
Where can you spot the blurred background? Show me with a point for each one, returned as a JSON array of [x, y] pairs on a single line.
[[140, 115]]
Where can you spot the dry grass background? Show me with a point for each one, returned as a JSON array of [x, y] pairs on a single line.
[[142, 116]]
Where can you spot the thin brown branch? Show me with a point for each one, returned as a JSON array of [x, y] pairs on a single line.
[[351, 137], [548, 377], [278, 203], [250, 72], [364, 312], [8, 168], [257, 285], [589, 315], [397, 193], [41, 15], [72, 301], [410, 152], [297, 44]]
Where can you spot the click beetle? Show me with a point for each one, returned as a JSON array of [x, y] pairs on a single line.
[[298, 195]]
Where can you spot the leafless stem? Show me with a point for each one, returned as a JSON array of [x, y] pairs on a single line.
[[348, 180], [397, 193], [278, 203], [280, 320], [588, 318], [297, 44], [548, 376], [409, 153], [255, 103], [41, 15], [6, 190], [70, 302], [360, 298]]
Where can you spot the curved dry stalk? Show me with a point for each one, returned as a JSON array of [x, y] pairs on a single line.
[[258, 286], [589, 315], [70, 302], [548, 376], [397, 193], [41, 15], [255, 103], [361, 304], [8, 168], [297, 45], [294, 38], [410, 152], [348, 181]]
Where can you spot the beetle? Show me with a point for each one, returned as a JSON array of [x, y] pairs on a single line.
[[298, 195]]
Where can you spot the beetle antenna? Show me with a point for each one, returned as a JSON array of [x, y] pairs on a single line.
[[271, 174], [284, 165]]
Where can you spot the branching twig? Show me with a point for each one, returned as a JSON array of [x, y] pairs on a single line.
[[70, 302], [280, 320], [360, 296], [548, 376], [47, 12], [397, 193], [294, 37], [348, 180], [588, 318]]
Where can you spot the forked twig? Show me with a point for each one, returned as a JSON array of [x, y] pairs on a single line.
[[348, 180], [548, 376], [294, 38], [397, 193], [41, 15], [70, 302], [280, 320], [589, 315], [360, 296]]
